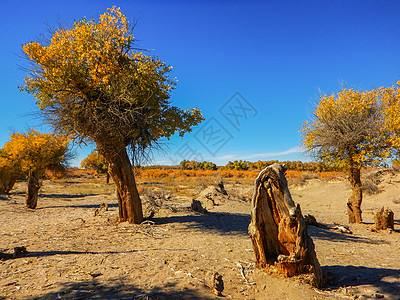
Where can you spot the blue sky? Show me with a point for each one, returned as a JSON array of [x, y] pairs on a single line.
[[254, 68]]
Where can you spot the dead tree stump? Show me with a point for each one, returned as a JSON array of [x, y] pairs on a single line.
[[221, 187], [196, 206], [384, 219], [278, 230]]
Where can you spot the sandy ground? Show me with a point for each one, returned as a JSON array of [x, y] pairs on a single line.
[[76, 253]]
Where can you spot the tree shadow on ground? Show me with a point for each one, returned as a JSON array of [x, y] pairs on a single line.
[[109, 205], [118, 288], [223, 223], [326, 233], [384, 280], [7, 256], [67, 196]]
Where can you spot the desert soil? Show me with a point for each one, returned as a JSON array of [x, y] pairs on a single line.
[[78, 251]]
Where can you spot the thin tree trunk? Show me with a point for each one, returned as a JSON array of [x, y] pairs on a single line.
[[120, 169], [108, 178], [32, 189], [354, 203]]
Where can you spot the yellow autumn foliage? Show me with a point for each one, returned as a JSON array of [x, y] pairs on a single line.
[[89, 51], [95, 161], [35, 151], [91, 74], [355, 128]]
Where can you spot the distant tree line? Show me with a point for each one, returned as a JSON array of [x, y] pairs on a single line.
[[242, 165], [195, 165]]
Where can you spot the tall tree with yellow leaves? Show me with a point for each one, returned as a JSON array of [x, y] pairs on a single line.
[[93, 85], [353, 129], [31, 153]]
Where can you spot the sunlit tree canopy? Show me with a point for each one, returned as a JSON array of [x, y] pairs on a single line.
[[352, 127], [35, 151], [91, 82]]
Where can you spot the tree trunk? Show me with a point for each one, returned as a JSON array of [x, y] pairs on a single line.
[[354, 202], [278, 231], [108, 177], [120, 169], [32, 189]]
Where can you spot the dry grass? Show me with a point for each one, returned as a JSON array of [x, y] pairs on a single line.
[[187, 182], [191, 182], [161, 183]]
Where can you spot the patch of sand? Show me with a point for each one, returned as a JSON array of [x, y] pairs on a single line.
[[73, 254]]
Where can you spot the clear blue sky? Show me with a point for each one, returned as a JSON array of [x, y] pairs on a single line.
[[254, 68]]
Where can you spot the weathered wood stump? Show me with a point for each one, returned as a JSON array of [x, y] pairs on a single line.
[[196, 206], [278, 231], [384, 219], [217, 286], [221, 187]]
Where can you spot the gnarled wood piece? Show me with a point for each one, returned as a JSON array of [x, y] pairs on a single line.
[[278, 231], [384, 219]]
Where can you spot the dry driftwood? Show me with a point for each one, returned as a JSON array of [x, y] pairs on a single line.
[[384, 219], [217, 284], [221, 187], [278, 230]]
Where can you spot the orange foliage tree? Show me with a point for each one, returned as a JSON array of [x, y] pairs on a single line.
[[97, 162], [354, 129], [30, 154], [92, 84]]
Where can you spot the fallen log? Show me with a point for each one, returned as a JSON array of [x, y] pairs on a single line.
[[278, 231]]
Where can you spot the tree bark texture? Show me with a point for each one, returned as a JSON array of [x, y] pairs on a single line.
[[32, 189], [278, 231], [120, 169], [384, 219], [354, 202]]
